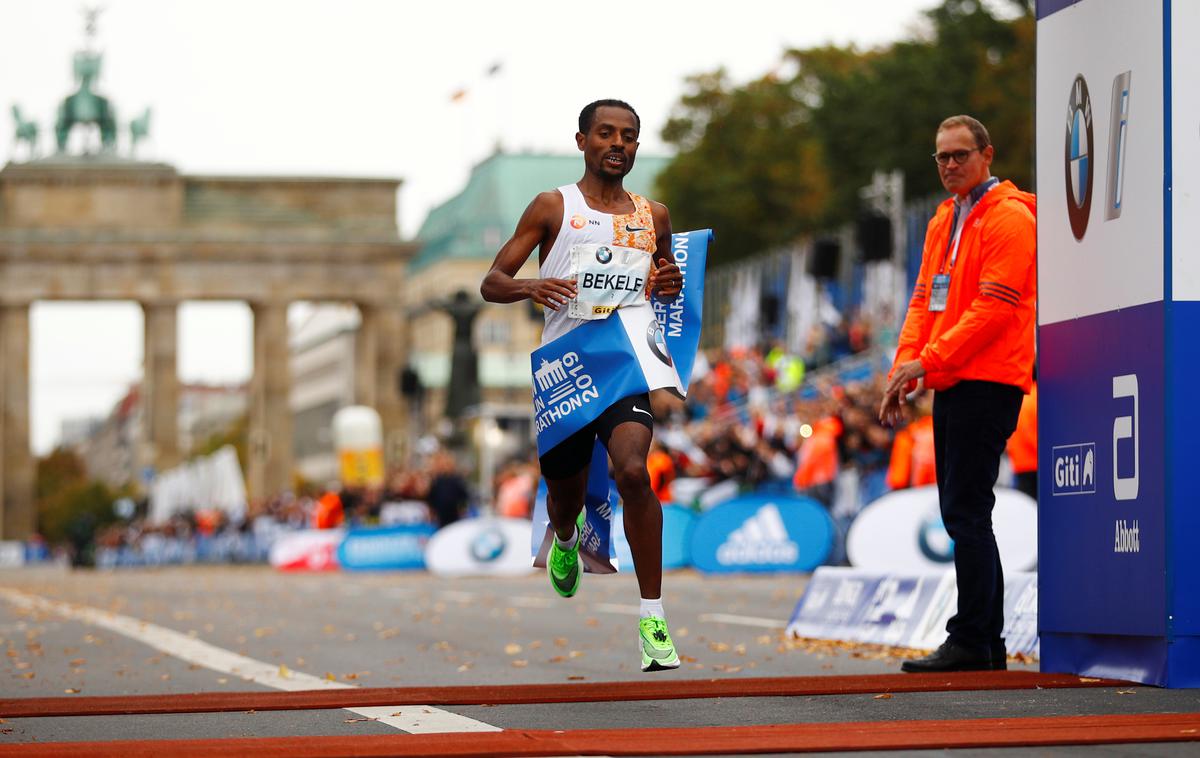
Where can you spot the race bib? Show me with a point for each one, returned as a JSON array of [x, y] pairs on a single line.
[[606, 277]]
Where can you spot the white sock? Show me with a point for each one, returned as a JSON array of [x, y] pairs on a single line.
[[569, 543], [653, 608]]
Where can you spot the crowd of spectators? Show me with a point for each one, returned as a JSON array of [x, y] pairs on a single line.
[[757, 419]]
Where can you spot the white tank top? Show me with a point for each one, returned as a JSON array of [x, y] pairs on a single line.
[[581, 225]]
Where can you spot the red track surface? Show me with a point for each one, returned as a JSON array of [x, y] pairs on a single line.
[[661, 689], [779, 738]]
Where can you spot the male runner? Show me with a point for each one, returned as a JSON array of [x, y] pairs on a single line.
[[597, 210]]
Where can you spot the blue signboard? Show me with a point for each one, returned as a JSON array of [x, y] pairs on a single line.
[[761, 534], [676, 538], [397, 547], [1102, 538]]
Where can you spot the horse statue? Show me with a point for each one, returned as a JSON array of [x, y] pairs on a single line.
[[139, 129], [86, 107], [26, 131]]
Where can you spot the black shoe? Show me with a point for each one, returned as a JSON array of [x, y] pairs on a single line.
[[950, 657], [999, 656]]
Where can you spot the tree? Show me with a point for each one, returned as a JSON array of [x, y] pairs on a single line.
[[70, 506], [751, 167], [784, 155]]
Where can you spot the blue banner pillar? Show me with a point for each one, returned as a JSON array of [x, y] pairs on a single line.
[[1118, 315]]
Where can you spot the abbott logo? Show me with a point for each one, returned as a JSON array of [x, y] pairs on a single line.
[[1125, 427], [762, 538], [1074, 469]]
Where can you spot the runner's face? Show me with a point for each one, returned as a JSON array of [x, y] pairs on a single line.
[[611, 144]]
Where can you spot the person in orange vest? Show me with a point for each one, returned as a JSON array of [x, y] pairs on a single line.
[[817, 460], [328, 513], [969, 336], [1022, 446], [912, 463], [661, 469]]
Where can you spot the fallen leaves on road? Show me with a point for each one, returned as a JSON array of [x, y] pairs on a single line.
[[884, 696], [512, 648], [284, 671], [575, 678], [519, 664], [364, 718], [860, 650], [1126, 692], [71, 691], [560, 642]]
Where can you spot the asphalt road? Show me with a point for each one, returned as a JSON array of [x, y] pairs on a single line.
[[182, 627]]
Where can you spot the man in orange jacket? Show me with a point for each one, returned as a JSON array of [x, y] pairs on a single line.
[[968, 336]]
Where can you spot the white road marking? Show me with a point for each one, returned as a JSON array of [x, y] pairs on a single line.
[[727, 618], [417, 719]]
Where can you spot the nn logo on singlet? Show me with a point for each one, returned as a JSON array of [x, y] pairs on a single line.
[[578, 221]]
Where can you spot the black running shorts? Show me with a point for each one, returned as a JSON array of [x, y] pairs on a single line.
[[573, 454]]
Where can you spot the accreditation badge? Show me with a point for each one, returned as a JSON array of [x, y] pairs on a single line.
[[606, 278], [939, 293]]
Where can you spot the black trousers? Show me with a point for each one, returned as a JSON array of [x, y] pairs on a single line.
[[972, 421]]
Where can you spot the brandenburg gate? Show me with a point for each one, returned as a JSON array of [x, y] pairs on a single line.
[[103, 227]]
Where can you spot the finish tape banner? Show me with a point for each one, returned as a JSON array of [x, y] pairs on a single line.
[[580, 374]]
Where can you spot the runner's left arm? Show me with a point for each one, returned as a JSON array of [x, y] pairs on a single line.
[[666, 280]]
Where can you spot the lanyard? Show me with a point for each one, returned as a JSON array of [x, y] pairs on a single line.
[[955, 230]]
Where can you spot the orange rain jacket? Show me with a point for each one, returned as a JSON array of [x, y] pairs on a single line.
[[986, 331]]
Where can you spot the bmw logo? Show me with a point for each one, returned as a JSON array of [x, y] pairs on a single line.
[[658, 342], [934, 541], [1078, 157], [487, 546], [603, 254]]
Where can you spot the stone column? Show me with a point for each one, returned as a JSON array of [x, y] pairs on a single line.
[[270, 442], [366, 356], [160, 387], [18, 516], [391, 357]]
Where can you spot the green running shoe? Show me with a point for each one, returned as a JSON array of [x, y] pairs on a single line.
[[565, 567], [658, 652]]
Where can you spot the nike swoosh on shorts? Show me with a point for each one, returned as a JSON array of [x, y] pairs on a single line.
[[639, 410]]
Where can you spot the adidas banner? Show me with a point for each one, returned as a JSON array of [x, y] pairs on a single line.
[[577, 376]]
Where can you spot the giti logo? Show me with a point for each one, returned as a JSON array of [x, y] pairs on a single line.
[[1078, 157], [1074, 469]]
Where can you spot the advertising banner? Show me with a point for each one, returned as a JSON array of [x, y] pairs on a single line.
[[763, 534], [904, 609], [903, 532], [1119, 286], [480, 547], [676, 537], [391, 548], [308, 550]]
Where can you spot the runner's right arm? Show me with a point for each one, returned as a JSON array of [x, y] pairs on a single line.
[[538, 226]]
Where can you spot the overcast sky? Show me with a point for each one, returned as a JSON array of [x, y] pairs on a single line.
[[362, 88]]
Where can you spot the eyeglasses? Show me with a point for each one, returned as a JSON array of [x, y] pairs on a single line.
[[959, 156]]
